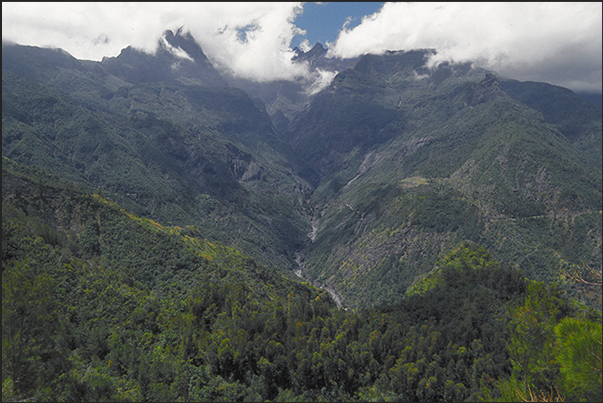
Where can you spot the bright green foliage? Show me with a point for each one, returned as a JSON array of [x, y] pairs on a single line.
[[554, 354], [531, 343], [580, 358]]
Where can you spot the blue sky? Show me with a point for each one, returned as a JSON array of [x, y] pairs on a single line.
[[323, 21]]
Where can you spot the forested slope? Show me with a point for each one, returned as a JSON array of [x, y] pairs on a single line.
[[412, 162], [175, 144], [367, 183], [154, 218], [99, 304]]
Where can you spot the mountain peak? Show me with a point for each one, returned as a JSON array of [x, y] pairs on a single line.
[[178, 57], [184, 42], [317, 51], [318, 48]]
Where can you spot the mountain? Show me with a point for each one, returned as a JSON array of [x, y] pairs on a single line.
[[177, 58], [164, 134], [101, 304], [404, 234], [285, 98], [316, 53], [318, 59], [360, 187], [408, 162], [577, 118]]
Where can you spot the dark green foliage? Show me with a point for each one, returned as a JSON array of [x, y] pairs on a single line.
[[576, 118]]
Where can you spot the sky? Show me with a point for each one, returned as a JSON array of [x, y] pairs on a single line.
[[558, 43], [323, 21]]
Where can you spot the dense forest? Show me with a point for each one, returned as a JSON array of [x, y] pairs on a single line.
[[99, 304]]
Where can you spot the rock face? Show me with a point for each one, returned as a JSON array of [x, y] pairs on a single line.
[[313, 54], [284, 99], [186, 43]]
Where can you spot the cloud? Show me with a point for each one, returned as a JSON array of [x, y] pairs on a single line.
[[321, 79], [246, 39], [559, 43], [86, 30], [251, 40]]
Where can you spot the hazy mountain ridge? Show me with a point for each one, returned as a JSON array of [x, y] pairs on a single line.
[[285, 98]]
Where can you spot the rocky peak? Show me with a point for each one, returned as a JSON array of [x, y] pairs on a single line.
[[484, 91], [316, 52], [187, 43], [318, 49], [178, 58]]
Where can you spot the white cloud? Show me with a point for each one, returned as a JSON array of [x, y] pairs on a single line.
[[176, 51], [305, 46], [558, 43], [321, 79], [252, 40], [248, 39]]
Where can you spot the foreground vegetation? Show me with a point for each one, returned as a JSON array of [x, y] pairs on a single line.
[[101, 305]]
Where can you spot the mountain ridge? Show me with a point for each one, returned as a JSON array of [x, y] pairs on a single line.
[[387, 130], [196, 143]]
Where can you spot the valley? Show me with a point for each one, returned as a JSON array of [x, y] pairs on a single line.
[[183, 146], [172, 233]]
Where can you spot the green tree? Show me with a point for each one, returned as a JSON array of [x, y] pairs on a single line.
[[580, 358], [531, 343], [29, 323]]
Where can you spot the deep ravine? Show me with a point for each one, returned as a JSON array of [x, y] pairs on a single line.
[[300, 270]]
